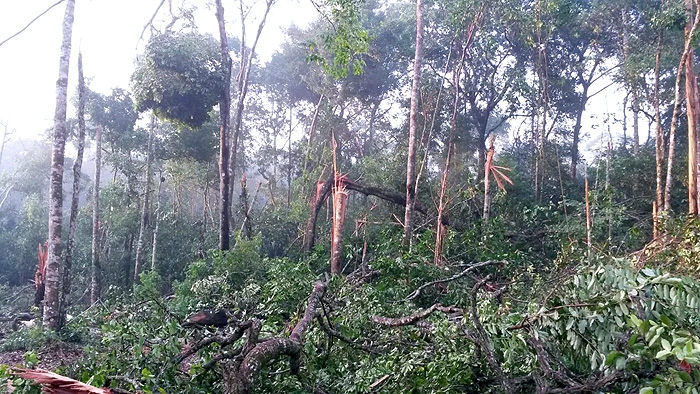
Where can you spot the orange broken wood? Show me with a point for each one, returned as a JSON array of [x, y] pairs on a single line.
[[53, 383]]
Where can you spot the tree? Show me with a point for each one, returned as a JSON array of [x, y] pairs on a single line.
[[412, 129], [96, 267], [140, 244], [224, 111], [77, 172], [51, 303]]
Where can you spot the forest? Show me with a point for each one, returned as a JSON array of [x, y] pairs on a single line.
[[408, 196]]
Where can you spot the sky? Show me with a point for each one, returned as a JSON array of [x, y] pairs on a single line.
[[107, 33]]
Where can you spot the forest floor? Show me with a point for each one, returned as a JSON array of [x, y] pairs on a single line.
[[50, 357]]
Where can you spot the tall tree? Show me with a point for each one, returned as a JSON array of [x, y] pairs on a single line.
[[224, 111], [77, 171], [96, 272], [140, 244], [692, 100], [51, 299], [412, 128]]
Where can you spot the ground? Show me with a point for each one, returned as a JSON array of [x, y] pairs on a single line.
[[50, 357]]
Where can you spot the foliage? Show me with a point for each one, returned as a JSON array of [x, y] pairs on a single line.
[[180, 77]]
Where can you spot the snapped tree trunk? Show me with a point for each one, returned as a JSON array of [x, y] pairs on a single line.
[[138, 262], [51, 298], [96, 279], [77, 171], [224, 112], [340, 200], [412, 128]]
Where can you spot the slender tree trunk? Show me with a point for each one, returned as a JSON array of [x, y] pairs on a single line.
[[96, 280], [243, 82], [687, 49], [77, 171], [289, 158], [693, 115], [577, 130], [154, 247], [487, 185], [440, 228], [51, 299], [224, 111], [413, 126], [659, 143], [144, 208]]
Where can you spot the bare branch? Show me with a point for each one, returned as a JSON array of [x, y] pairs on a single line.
[[469, 269], [30, 23]]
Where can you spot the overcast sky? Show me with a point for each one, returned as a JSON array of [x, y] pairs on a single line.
[[107, 32]]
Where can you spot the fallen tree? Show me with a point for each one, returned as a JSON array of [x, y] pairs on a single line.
[[324, 190]]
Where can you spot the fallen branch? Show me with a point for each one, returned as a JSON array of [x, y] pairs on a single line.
[[469, 269], [240, 377], [415, 317], [336, 334], [58, 384]]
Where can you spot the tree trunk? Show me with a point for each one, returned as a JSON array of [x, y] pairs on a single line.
[[693, 115], [146, 197], [659, 143], [154, 246], [577, 130], [412, 127], [687, 50], [440, 228], [243, 82], [96, 280], [487, 185], [340, 200], [224, 111], [51, 299], [77, 171]]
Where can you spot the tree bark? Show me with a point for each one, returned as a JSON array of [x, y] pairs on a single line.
[[239, 379], [224, 111], [154, 246], [146, 199], [340, 200], [687, 49], [412, 128], [577, 127], [487, 185], [243, 82], [77, 171], [51, 299], [96, 279], [693, 115], [659, 140]]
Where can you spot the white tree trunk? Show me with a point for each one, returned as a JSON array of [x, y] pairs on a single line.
[[412, 127], [51, 298]]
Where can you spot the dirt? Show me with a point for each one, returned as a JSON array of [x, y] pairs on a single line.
[[50, 357]]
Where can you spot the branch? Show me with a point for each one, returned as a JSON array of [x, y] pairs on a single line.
[[150, 21], [30, 23], [482, 340], [223, 341], [336, 334], [413, 318], [263, 352], [469, 269]]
